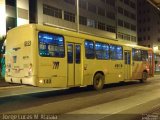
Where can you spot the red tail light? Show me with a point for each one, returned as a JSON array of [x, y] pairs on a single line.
[[30, 70]]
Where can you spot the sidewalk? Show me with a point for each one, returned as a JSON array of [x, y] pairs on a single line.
[[5, 84]]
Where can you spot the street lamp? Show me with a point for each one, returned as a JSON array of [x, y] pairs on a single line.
[[78, 16], [154, 5]]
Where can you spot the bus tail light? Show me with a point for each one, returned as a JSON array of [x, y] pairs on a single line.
[[40, 81], [147, 68], [8, 68], [30, 70]]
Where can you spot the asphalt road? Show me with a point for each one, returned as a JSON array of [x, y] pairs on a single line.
[[123, 101]]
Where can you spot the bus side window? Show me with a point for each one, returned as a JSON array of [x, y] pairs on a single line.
[[89, 49], [102, 51], [51, 45], [137, 56], [70, 53], [119, 53], [116, 52], [78, 54], [144, 55], [113, 52]]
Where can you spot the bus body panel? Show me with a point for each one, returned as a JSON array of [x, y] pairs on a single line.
[[57, 72], [138, 67], [51, 70], [50, 74], [20, 53]]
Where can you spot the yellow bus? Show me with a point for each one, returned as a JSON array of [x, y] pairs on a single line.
[[46, 56]]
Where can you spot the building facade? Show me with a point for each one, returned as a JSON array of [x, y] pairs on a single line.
[[13, 13], [127, 20], [115, 19], [92, 15], [149, 28]]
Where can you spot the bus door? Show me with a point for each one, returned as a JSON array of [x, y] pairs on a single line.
[[74, 64], [127, 65]]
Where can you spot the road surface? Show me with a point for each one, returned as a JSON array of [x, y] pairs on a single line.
[[123, 101]]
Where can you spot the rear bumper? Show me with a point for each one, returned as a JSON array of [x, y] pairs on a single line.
[[22, 80]]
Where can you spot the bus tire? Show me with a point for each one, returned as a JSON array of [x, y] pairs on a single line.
[[98, 81], [144, 77]]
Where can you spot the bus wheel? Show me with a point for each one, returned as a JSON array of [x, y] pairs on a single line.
[[98, 81], [144, 77]]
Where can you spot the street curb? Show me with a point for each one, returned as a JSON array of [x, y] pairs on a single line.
[[18, 86], [14, 95]]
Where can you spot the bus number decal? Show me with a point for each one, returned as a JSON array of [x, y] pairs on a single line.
[[27, 43], [55, 65]]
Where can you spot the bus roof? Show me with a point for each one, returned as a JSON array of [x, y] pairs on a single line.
[[58, 30]]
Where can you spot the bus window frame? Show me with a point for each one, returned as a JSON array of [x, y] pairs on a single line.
[[52, 34], [133, 58], [116, 46], [93, 49], [80, 58], [108, 50], [147, 55]]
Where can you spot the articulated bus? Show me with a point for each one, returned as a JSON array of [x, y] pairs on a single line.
[[46, 56]]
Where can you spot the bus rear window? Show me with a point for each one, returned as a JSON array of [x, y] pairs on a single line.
[[51, 45]]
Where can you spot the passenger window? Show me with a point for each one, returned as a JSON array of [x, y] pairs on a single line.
[[102, 50], [136, 55], [144, 55], [119, 53], [116, 52], [89, 49], [51, 45], [78, 54], [70, 53]]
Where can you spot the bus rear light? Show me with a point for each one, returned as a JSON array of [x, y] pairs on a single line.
[[30, 70], [41, 81], [147, 68], [7, 70], [18, 70]]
